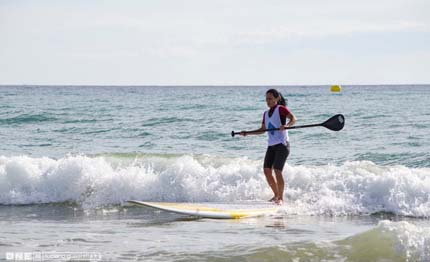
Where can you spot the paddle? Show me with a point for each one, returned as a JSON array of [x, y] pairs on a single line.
[[334, 123]]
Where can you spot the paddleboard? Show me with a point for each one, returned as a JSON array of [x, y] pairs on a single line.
[[205, 212]]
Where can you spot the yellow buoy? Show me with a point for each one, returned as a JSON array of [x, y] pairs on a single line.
[[336, 88]]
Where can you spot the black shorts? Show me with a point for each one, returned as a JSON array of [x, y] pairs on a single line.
[[276, 156]]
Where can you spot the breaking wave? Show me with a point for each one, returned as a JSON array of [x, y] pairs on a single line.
[[353, 188]]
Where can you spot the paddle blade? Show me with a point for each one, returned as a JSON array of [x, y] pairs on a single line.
[[335, 123]]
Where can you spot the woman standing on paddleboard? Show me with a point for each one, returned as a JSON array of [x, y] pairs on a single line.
[[278, 146]]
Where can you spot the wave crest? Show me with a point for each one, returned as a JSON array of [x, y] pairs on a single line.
[[353, 188]]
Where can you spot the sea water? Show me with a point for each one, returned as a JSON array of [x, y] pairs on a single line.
[[71, 156]]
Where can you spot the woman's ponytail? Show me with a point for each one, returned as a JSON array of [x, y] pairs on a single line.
[[282, 101]]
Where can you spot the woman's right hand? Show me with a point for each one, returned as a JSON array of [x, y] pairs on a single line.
[[243, 133]]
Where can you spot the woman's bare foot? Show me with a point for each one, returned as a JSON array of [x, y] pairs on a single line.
[[279, 202], [273, 199]]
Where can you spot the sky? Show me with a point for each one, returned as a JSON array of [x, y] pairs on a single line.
[[216, 42]]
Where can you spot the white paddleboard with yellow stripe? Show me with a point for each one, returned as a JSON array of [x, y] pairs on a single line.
[[205, 212]]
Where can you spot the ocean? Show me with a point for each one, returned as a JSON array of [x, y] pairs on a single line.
[[71, 156]]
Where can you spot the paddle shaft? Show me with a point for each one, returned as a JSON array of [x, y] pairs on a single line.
[[334, 123], [275, 129]]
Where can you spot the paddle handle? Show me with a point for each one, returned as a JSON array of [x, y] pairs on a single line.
[[274, 129]]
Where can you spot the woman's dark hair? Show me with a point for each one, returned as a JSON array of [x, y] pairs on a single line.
[[277, 94]]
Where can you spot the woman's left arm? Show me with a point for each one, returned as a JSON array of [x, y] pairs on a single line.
[[292, 120]]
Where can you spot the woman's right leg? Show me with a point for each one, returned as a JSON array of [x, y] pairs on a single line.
[[269, 158], [280, 184], [272, 183]]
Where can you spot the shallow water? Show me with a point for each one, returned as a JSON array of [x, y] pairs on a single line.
[[131, 233]]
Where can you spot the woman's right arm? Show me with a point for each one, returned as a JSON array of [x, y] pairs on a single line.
[[254, 132]]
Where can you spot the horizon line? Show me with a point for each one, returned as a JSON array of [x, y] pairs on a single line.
[[205, 85]]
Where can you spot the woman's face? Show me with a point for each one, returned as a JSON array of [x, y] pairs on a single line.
[[271, 100]]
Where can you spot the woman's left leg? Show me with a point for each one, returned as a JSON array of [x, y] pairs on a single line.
[[282, 152]]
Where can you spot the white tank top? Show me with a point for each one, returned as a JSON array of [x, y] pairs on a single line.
[[275, 137]]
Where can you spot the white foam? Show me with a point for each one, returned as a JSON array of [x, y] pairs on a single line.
[[358, 187], [350, 189], [97, 181], [411, 240]]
